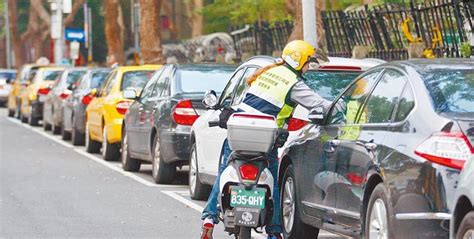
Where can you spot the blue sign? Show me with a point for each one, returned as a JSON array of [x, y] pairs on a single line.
[[73, 34]]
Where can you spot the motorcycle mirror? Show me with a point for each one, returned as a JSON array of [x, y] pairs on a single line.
[[316, 116], [210, 99]]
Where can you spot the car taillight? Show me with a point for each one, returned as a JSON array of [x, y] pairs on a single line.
[[448, 149], [87, 99], [43, 91], [184, 113], [248, 172], [63, 96], [122, 106], [296, 124]]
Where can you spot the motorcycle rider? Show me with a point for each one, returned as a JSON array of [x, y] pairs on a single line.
[[274, 90]]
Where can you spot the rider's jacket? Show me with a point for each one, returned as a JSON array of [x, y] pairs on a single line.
[[270, 94]]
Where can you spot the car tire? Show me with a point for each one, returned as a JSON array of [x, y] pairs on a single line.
[[11, 113], [466, 228], [65, 135], [162, 173], [33, 121], [375, 227], [293, 227], [197, 190], [77, 138], [110, 152], [128, 163], [46, 126], [56, 129], [92, 146]]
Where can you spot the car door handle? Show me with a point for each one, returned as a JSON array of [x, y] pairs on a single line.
[[332, 145], [370, 146]]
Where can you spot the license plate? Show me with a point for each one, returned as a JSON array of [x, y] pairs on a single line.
[[248, 217], [255, 198]]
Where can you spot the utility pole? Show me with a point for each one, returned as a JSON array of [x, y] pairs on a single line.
[[135, 12], [57, 29], [309, 21], [7, 36], [88, 32]]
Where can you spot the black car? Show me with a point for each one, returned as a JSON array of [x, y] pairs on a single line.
[[387, 166], [55, 100], [157, 125], [74, 115]]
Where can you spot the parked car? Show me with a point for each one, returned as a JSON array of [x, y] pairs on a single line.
[[105, 113], [462, 220], [54, 102], [74, 117], [387, 166], [23, 78], [6, 79], [33, 97], [158, 124], [328, 80]]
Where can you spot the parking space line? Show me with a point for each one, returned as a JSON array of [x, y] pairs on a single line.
[[175, 195]]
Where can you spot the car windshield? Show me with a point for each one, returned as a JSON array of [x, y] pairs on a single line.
[[98, 78], [329, 84], [7, 75], [135, 79], [50, 75], [451, 90], [201, 80]]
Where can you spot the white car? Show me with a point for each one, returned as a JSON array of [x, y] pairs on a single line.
[[6, 80], [327, 79], [462, 220]]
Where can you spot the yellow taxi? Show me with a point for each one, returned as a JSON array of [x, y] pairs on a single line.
[[32, 98], [105, 113], [23, 78]]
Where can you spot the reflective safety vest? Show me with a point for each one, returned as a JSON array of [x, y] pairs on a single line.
[[268, 94], [352, 132]]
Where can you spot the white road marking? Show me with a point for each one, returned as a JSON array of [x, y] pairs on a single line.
[[175, 195]]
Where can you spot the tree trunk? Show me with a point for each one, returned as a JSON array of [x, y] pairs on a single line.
[[294, 8], [15, 36], [3, 53], [197, 18], [150, 41], [114, 31]]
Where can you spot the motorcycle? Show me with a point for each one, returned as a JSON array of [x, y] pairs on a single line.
[[246, 185]]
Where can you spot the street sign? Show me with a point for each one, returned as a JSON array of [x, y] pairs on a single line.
[[75, 35]]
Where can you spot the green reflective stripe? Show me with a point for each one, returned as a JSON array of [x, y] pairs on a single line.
[[284, 114]]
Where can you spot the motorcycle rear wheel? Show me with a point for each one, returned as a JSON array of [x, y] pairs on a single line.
[[245, 233]]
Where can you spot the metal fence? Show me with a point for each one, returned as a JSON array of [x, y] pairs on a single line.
[[261, 38], [442, 25]]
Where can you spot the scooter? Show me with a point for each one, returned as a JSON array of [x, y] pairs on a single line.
[[246, 185]]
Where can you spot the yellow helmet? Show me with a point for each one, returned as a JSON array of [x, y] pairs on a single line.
[[296, 53], [360, 88]]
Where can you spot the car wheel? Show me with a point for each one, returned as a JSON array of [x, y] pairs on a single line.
[[46, 126], [197, 190], [377, 224], [110, 152], [11, 113], [64, 134], [33, 121], [92, 146], [56, 129], [76, 137], [466, 229], [162, 172], [293, 227], [128, 163]]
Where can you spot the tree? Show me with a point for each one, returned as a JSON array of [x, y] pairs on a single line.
[[150, 43], [114, 31], [294, 8]]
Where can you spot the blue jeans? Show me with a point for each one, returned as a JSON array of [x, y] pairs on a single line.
[[212, 211]]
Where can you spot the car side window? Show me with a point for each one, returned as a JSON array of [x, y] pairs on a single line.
[[149, 88], [161, 88], [406, 104], [241, 89], [110, 84], [384, 98], [226, 95], [353, 98]]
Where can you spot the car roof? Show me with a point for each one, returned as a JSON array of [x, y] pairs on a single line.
[[52, 68], [138, 68], [204, 66], [349, 64], [8, 70], [259, 61], [426, 65]]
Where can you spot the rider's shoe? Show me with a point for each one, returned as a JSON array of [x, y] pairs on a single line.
[[207, 228], [275, 236]]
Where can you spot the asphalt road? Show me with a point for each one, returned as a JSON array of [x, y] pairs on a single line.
[[50, 189]]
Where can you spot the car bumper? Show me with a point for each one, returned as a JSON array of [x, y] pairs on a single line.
[[175, 147], [114, 131]]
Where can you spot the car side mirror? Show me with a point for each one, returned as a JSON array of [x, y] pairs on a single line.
[[317, 116], [210, 99], [130, 94]]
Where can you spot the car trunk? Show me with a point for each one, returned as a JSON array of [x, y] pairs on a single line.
[[467, 127], [196, 99]]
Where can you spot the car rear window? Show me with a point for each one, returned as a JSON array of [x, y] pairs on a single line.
[[329, 84], [135, 79], [451, 90], [201, 80], [74, 76], [51, 75], [7, 75], [98, 78]]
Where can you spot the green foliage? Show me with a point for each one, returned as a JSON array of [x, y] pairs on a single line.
[[221, 14], [466, 49]]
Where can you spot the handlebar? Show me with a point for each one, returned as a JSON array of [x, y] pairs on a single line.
[[213, 123]]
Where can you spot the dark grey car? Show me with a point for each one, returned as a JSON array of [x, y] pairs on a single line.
[[74, 115], [387, 166], [157, 126], [54, 102]]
